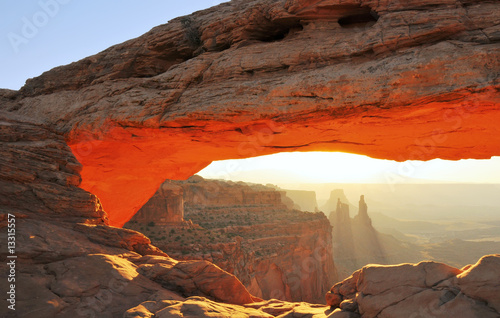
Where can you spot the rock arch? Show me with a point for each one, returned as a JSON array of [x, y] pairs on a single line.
[[421, 83]]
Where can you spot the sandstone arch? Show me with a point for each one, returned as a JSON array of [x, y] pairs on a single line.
[[420, 83]]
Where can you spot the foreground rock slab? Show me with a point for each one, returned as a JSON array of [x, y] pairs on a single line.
[[200, 307], [427, 289]]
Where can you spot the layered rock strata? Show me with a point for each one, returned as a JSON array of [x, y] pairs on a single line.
[[66, 260], [71, 263], [259, 77], [266, 76], [247, 230]]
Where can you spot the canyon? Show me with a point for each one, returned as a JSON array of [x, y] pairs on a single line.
[[357, 243], [247, 230], [84, 146], [71, 263], [267, 76]]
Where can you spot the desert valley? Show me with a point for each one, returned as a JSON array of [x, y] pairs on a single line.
[[278, 249], [105, 210]]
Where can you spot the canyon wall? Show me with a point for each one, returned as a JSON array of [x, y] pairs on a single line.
[[266, 76], [247, 230], [64, 260], [70, 263], [243, 79], [166, 206]]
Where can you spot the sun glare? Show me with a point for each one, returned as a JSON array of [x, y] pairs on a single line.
[[324, 167]]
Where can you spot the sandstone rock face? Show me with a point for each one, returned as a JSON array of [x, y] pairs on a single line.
[[70, 263], [266, 76], [165, 207], [427, 289], [482, 281], [259, 77], [39, 176], [89, 269], [195, 307], [248, 231], [197, 278], [66, 272]]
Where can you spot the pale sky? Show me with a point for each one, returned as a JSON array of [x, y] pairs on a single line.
[[337, 167], [37, 35]]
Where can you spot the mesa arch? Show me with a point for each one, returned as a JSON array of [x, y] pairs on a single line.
[[395, 79]]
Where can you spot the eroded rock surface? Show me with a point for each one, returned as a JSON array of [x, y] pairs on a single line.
[[199, 307], [259, 77], [39, 176], [70, 263], [266, 76], [249, 231], [427, 289]]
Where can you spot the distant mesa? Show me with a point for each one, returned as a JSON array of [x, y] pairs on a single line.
[[331, 204], [304, 200]]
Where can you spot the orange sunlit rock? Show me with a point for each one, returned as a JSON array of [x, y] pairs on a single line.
[[125, 170], [388, 79]]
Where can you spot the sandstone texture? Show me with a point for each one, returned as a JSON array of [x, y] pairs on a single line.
[[70, 262], [391, 79], [39, 176], [248, 231], [195, 307], [166, 206], [388, 78], [427, 289]]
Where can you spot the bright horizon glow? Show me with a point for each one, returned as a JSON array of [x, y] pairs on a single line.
[[337, 167], [78, 29]]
